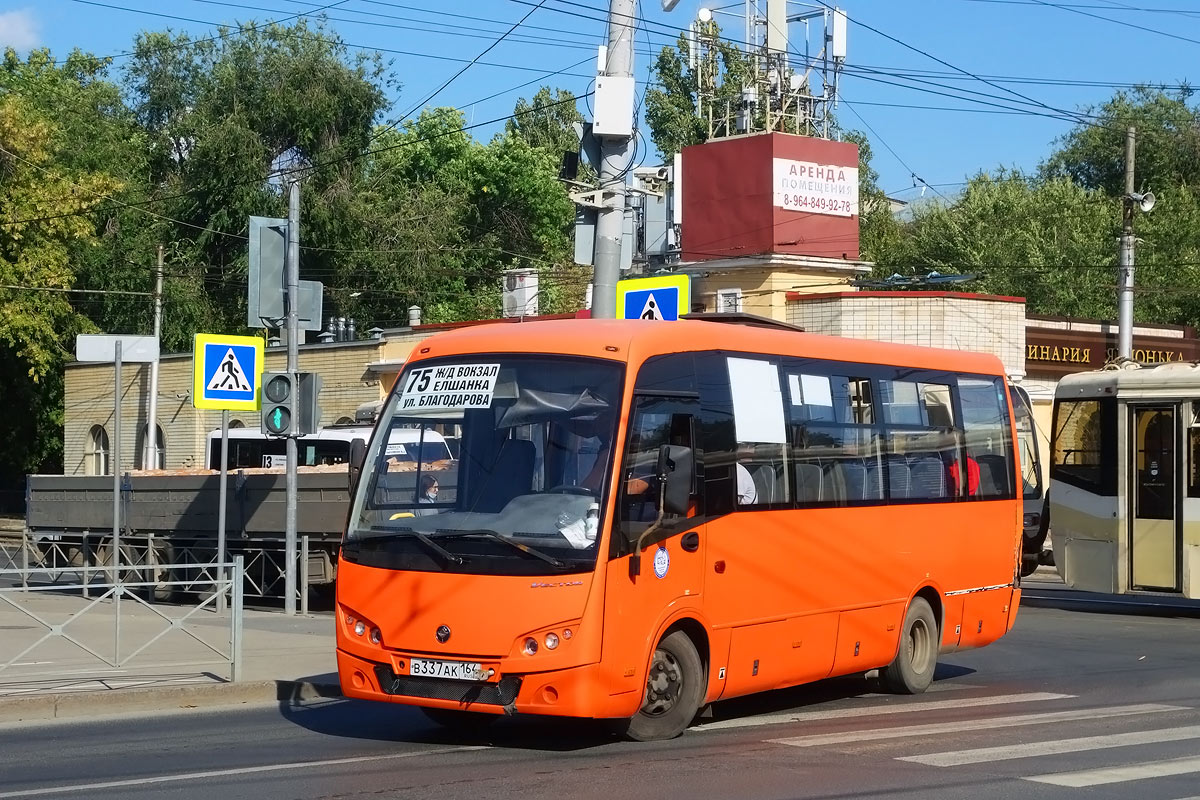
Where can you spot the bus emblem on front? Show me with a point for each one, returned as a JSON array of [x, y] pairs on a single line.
[[443, 633]]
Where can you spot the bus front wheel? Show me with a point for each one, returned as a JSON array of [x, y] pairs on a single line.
[[911, 671], [674, 689]]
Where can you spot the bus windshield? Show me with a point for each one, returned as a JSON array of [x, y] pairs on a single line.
[[521, 498], [1031, 471]]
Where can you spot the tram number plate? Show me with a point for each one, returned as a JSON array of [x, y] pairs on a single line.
[[454, 670]]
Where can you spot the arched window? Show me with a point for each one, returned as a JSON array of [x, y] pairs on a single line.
[[160, 445], [236, 423], [97, 457]]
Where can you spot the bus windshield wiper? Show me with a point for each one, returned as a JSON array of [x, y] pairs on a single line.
[[453, 533], [389, 533]]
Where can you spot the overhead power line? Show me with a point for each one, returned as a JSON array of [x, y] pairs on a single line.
[[72, 291]]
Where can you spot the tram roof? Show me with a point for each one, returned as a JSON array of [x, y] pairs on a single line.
[[1176, 377]]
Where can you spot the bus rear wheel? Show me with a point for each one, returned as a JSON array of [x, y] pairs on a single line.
[[911, 671], [674, 689]]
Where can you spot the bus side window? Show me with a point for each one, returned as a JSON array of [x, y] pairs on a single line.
[[835, 445], [924, 440], [988, 437], [655, 421]]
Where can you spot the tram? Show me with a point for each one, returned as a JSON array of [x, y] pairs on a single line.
[[1125, 479]]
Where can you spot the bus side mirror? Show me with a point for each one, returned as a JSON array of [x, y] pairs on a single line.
[[358, 454], [679, 468], [674, 481]]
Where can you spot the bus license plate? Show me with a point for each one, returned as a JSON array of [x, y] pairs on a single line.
[[454, 670]]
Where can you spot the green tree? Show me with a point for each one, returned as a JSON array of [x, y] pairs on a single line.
[[546, 121], [224, 117], [690, 102], [881, 236], [1168, 143], [40, 227], [1048, 241]]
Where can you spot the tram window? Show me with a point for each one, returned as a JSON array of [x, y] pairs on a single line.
[[1085, 451]]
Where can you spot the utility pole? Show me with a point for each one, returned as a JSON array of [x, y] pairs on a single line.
[[1125, 299], [150, 457], [292, 300], [614, 159]]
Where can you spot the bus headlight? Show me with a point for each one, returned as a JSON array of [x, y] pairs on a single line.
[[531, 646], [360, 628], [551, 640]]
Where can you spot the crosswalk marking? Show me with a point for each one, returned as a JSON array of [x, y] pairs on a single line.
[[981, 755], [975, 724], [870, 711], [1133, 772]]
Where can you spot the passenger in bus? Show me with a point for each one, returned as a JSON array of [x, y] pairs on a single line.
[[428, 495], [972, 476], [747, 492]]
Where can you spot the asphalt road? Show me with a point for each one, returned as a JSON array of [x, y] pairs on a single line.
[[1080, 701]]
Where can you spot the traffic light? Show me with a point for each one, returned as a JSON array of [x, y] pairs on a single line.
[[279, 404], [308, 412], [289, 404]]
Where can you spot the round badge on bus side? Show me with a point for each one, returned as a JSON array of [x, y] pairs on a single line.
[[662, 562]]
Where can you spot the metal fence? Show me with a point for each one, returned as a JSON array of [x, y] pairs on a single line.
[[189, 565], [106, 622]]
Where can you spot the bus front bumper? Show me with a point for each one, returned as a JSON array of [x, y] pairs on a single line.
[[572, 692]]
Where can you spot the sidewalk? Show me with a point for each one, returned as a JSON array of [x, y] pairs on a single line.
[[283, 658]]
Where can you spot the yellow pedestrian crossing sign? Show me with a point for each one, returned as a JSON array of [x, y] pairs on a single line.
[[226, 372], [662, 297]]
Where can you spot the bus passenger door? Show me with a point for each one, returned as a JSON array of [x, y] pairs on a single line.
[[1153, 496], [671, 572]]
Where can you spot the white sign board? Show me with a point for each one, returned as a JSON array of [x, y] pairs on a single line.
[[103, 348], [453, 386], [757, 401], [815, 188]]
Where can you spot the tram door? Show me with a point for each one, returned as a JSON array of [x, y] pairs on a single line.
[[1154, 533]]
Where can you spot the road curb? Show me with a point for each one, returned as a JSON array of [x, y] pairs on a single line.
[[161, 699]]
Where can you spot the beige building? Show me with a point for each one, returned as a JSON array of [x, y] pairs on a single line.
[[950, 320], [354, 373], [761, 284]]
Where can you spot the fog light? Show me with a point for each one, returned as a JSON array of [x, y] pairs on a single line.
[[551, 641], [376, 636], [531, 646], [359, 628]]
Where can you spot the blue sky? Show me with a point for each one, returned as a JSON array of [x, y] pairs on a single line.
[[1064, 55]]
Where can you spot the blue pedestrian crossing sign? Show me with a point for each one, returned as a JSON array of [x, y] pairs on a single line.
[[226, 372], [662, 297]]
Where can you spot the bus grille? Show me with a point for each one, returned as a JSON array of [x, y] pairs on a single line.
[[495, 694]]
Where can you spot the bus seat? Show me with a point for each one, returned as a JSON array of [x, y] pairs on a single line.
[[511, 475], [927, 478], [873, 485], [854, 479], [994, 476], [898, 478], [808, 483], [764, 482]]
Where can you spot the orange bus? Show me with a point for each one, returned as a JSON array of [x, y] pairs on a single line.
[[646, 517]]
